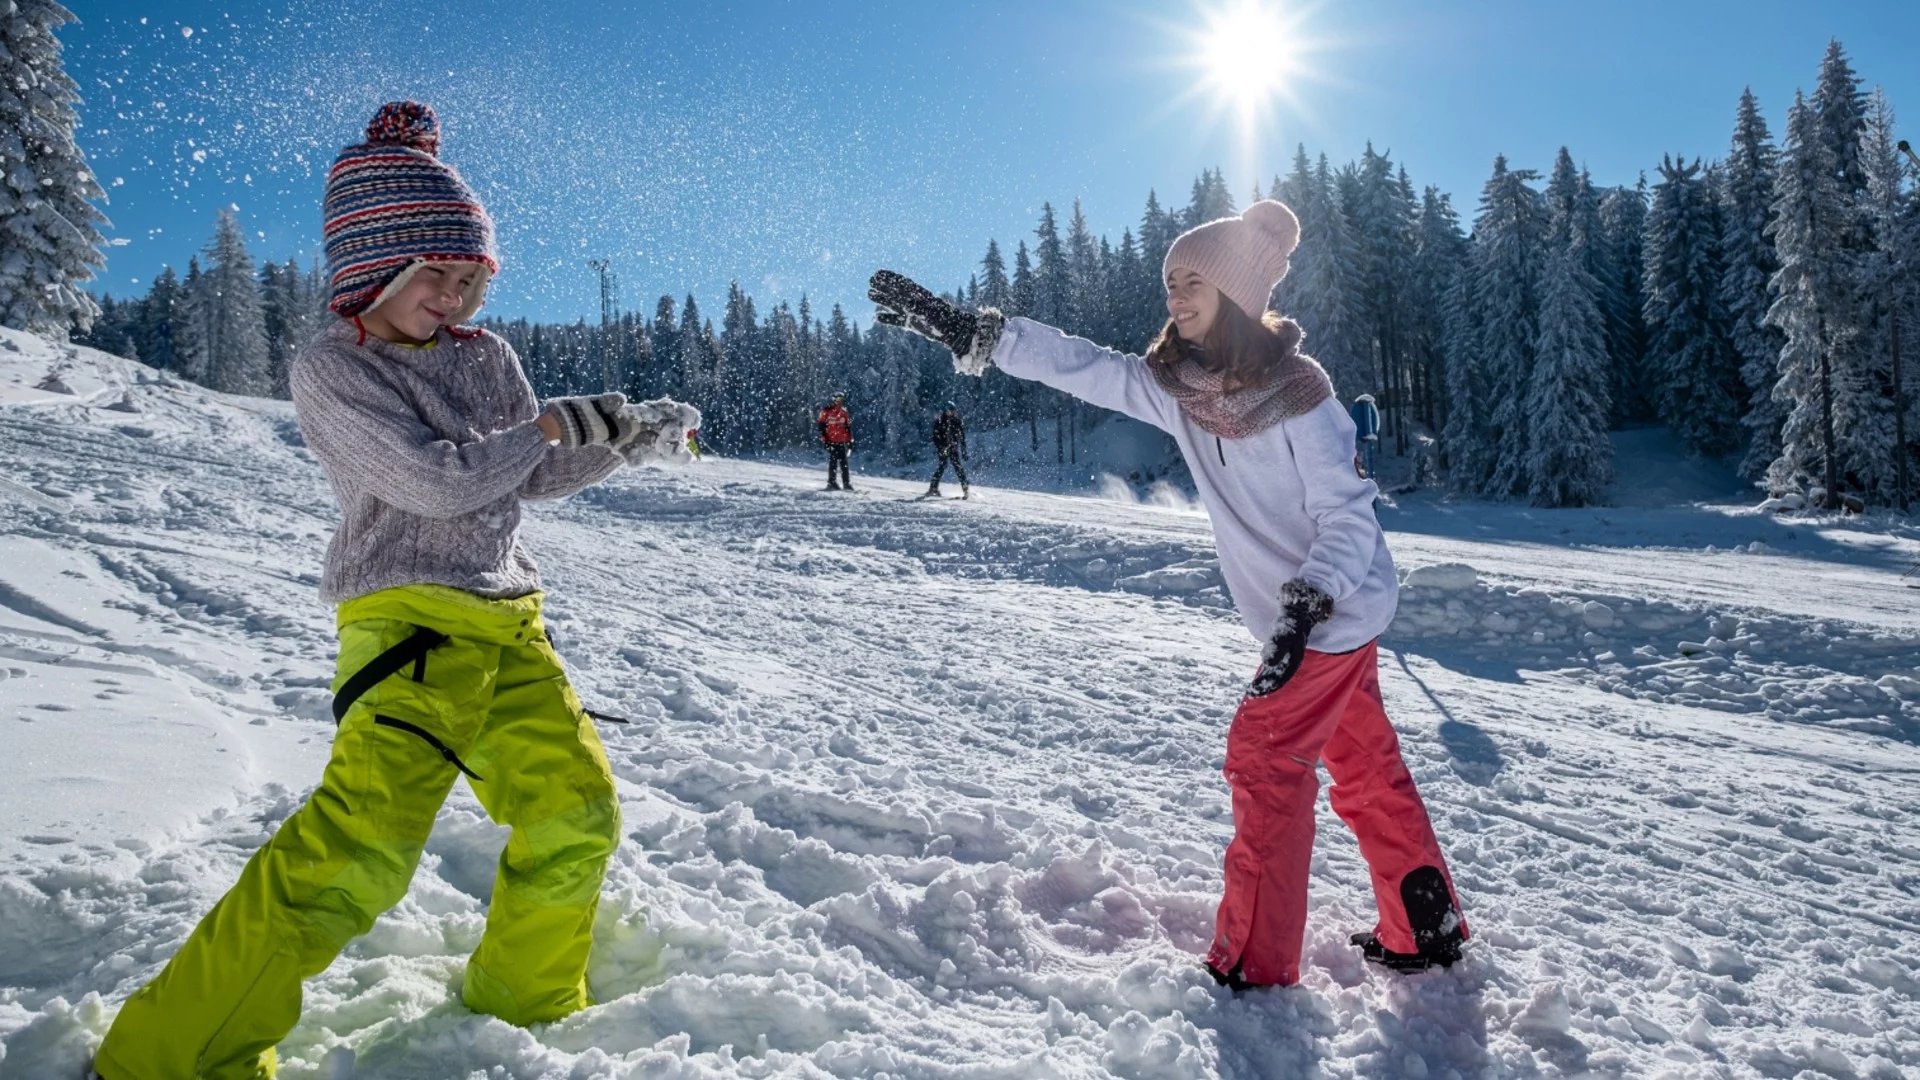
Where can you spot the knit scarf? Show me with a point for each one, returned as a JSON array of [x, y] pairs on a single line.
[[1299, 384]]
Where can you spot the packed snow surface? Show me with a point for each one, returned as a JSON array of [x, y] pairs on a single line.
[[931, 788]]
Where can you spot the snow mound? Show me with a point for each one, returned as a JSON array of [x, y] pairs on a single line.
[[1824, 672]]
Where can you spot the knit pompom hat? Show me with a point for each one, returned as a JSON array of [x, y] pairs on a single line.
[[392, 206], [1244, 257]]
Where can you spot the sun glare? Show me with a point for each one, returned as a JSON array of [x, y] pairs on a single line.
[[1243, 54]]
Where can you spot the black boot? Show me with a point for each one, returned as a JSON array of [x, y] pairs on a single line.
[[933, 491], [1231, 979], [1441, 953], [1436, 925]]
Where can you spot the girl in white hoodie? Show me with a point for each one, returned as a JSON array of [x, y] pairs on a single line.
[[1304, 558]]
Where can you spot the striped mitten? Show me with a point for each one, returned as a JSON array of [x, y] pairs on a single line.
[[591, 420]]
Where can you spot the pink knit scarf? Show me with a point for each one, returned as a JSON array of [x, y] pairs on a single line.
[[1299, 384]]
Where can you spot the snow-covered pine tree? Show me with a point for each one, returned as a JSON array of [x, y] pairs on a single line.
[[693, 353], [1811, 292], [1084, 308], [1510, 235], [1746, 246], [1467, 441], [1211, 200], [1623, 218], [1567, 407], [1384, 244], [1866, 421], [236, 337], [664, 335], [47, 192], [1025, 294], [1439, 259], [1699, 392], [995, 289], [1325, 290], [191, 335], [1297, 191], [1053, 281], [153, 332]]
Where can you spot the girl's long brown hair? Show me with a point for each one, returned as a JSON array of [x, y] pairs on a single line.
[[1245, 352]]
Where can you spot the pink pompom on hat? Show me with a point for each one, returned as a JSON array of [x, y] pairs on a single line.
[[1244, 257]]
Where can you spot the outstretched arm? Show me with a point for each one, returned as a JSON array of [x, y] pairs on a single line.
[[1024, 348], [1098, 376]]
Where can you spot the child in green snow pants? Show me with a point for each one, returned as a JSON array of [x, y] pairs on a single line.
[[490, 700]]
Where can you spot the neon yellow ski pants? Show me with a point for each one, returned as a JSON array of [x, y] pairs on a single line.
[[494, 697]]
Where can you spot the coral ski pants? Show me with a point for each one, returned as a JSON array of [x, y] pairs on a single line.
[[493, 698], [1329, 712]]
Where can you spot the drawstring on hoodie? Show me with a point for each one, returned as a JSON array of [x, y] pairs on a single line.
[[1220, 448]]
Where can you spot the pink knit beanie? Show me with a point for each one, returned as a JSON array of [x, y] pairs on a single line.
[[1244, 257]]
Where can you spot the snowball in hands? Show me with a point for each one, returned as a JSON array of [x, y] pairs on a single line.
[[660, 431]]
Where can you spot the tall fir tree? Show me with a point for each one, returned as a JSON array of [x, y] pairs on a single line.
[[995, 289], [1812, 292], [1325, 292], [1571, 459], [47, 191], [1868, 424], [1439, 258], [1053, 281], [1510, 235], [192, 335], [1700, 394], [1747, 250], [236, 338], [153, 332], [1383, 240], [1623, 220]]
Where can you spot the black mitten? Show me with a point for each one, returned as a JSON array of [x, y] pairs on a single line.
[[1302, 607], [905, 303]]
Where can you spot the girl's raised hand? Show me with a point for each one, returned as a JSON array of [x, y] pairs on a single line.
[[905, 303]]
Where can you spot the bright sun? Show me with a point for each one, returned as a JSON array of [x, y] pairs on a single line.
[[1244, 54]]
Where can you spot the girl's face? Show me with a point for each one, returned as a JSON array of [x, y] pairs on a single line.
[[1192, 303], [434, 293]]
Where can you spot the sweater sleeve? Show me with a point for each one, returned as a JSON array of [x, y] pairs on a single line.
[[366, 433], [1339, 501], [1098, 376], [563, 471]]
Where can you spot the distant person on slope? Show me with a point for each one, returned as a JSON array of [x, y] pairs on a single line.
[[836, 434], [1366, 429], [431, 437], [1304, 558], [950, 442]]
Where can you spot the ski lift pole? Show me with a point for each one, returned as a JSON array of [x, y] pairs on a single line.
[[1907, 149]]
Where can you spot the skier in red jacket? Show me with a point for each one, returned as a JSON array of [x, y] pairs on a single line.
[[836, 433]]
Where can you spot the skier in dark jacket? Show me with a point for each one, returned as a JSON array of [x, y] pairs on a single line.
[[950, 441], [836, 434]]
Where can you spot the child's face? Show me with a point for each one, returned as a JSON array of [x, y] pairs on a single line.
[[1192, 303], [433, 295]]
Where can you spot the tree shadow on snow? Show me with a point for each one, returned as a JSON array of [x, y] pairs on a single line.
[[1473, 754]]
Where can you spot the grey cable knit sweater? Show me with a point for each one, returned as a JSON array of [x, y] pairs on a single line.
[[430, 452]]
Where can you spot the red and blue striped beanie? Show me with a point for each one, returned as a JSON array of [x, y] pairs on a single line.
[[392, 205]]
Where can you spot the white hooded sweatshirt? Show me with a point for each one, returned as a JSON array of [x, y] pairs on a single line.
[[1285, 503]]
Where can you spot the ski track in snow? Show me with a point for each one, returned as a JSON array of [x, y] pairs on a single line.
[[931, 789]]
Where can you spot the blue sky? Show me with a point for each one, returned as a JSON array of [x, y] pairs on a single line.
[[795, 146]]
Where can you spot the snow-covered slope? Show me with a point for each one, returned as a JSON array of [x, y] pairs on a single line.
[[931, 789]]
